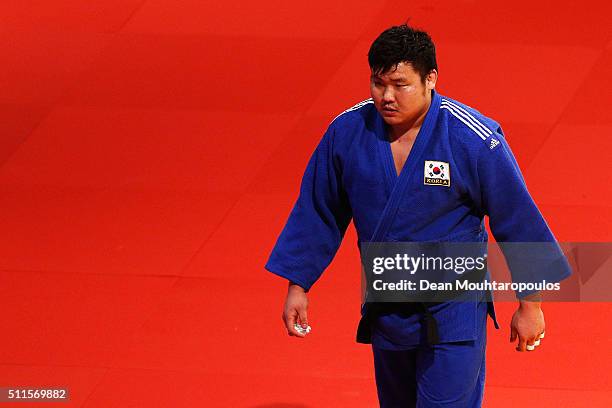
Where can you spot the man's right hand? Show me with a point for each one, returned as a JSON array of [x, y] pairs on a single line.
[[295, 311]]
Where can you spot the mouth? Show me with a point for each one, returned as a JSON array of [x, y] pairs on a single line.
[[389, 111]]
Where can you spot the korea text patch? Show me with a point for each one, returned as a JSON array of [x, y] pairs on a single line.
[[436, 173]]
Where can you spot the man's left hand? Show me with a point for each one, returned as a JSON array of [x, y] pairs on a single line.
[[528, 323]]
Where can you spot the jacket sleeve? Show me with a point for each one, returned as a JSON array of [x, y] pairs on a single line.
[[319, 219], [528, 244]]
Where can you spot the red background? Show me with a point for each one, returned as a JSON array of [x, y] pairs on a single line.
[[150, 152]]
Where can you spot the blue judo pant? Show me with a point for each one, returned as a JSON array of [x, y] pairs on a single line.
[[442, 375]]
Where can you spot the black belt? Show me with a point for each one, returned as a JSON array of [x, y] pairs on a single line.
[[373, 310]]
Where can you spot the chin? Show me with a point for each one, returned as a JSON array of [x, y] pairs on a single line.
[[391, 120]]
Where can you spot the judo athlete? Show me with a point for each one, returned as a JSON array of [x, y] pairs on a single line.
[[374, 166]]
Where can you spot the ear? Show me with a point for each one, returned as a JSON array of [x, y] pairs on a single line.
[[431, 79]]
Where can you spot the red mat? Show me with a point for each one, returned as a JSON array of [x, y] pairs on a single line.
[[151, 151]]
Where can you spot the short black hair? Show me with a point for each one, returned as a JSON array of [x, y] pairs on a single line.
[[403, 44]]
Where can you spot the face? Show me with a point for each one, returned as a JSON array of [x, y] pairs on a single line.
[[400, 95]]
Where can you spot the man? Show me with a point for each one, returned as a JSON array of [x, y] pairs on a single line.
[[409, 165]]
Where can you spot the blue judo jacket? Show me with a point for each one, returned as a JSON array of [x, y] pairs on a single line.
[[351, 176]]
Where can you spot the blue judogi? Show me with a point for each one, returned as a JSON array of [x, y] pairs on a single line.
[[351, 175]]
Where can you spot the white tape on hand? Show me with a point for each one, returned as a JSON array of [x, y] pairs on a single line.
[[302, 330]]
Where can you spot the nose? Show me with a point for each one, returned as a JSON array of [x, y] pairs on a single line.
[[388, 96]]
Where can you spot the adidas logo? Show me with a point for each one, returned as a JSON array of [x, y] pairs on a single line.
[[494, 142]]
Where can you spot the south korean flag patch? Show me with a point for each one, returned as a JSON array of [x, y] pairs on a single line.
[[437, 173]]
